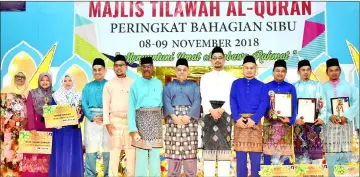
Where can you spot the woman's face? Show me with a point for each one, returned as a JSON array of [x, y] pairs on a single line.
[[68, 84], [20, 79], [45, 82]]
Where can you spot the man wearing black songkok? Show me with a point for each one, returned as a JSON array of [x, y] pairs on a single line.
[[215, 96], [181, 99], [276, 120], [145, 120], [338, 130], [307, 130], [96, 136], [115, 104], [248, 101]]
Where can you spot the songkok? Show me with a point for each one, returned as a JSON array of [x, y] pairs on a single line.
[[146, 60], [302, 63], [249, 58], [120, 58], [182, 61], [332, 62], [98, 61], [280, 63], [217, 50]]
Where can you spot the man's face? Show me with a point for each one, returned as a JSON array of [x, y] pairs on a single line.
[[45, 82], [279, 73], [20, 79], [182, 72], [217, 60], [147, 70], [305, 73], [120, 68], [249, 70], [333, 72], [99, 72]]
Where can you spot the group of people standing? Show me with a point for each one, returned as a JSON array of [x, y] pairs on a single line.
[[126, 114]]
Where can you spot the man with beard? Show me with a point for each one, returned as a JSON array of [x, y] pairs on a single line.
[[307, 135], [145, 120], [182, 111], [278, 130], [248, 101], [115, 107], [338, 130], [96, 135], [215, 93]]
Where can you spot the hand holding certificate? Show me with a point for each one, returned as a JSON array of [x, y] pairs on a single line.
[[60, 115], [307, 109], [283, 105]]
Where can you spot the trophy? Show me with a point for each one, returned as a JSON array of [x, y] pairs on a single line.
[[46, 101], [272, 104], [79, 108]]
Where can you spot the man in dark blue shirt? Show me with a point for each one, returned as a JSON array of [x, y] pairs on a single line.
[[248, 102]]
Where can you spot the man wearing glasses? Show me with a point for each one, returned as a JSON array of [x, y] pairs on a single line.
[[115, 107], [145, 120], [215, 93]]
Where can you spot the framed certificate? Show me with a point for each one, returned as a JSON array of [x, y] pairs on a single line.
[[40, 144], [283, 104], [307, 109], [60, 115], [339, 105]]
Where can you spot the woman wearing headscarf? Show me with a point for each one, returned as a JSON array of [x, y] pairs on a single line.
[[67, 153], [18, 85], [36, 165], [13, 115]]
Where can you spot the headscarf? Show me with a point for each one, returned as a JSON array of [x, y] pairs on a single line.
[[39, 94], [20, 90], [67, 96]]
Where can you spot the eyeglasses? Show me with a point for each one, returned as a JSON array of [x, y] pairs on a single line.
[[20, 77]]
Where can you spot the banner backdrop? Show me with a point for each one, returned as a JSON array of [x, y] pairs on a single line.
[[65, 37], [170, 30]]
